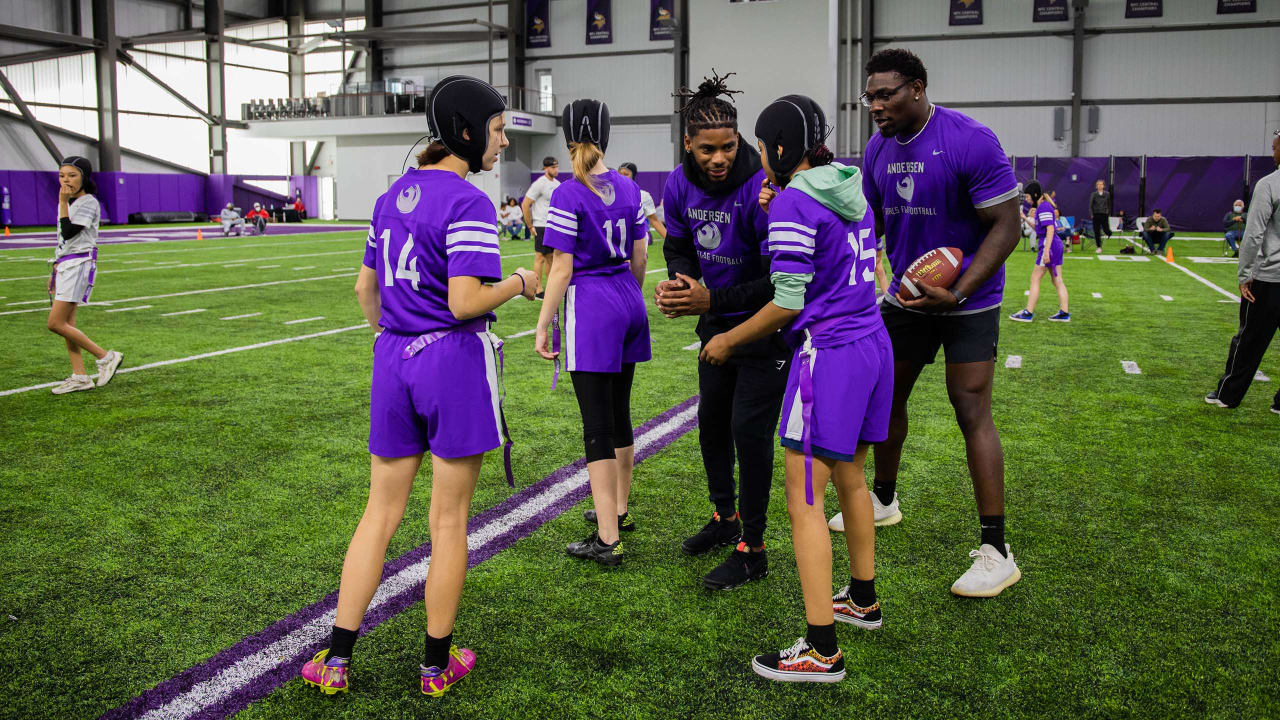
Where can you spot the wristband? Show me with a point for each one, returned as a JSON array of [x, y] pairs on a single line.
[[522, 286]]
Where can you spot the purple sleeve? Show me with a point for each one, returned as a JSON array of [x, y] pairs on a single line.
[[987, 170], [562, 222], [471, 240], [671, 206], [791, 237], [371, 245], [869, 189], [639, 228], [1044, 217]]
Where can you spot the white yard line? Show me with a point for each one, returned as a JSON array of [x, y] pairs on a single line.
[[694, 346], [201, 356], [522, 334], [1131, 367], [135, 307], [306, 267], [238, 317], [1014, 362], [302, 320], [235, 265], [1166, 298], [1097, 296], [1233, 296], [267, 267], [182, 312]]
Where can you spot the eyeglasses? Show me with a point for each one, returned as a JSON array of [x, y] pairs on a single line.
[[883, 96]]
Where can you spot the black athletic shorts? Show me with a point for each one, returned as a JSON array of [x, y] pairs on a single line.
[[916, 336], [538, 247]]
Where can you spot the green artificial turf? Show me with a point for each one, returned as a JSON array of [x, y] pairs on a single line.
[[154, 522]]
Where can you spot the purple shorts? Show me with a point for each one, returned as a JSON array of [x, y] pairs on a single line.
[[443, 399], [852, 393], [605, 323], [1055, 255]]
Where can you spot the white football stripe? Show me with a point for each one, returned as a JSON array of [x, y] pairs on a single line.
[[471, 248], [790, 236], [793, 226], [789, 247], [950, 258], [471, 237], [474, 224]]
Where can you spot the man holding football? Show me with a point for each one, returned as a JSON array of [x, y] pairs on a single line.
[[936, 178]]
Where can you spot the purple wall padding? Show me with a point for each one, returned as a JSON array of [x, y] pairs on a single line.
[[310, 187], [1194, 192], [653, 181], [1023, 168], [1127, 184], [1260, 166], [1072, 194]]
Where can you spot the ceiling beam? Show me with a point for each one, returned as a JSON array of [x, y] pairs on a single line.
[[44, 37], [34, 124]]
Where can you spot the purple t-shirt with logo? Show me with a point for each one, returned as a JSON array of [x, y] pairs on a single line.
[[431, 225], [840, 301], [598, 231], [929, 189], [728, 230], [1044, 221]]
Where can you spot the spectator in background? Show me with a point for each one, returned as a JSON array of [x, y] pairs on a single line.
[[1156, 232], [511, 218], [534, 207], [628, 169], [1026, 211], [1127, 223], [1233, 223], [1100, 208], [258, 217], [231, 220]]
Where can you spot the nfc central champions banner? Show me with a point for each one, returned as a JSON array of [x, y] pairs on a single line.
[[599, 22], [966, 12], [661, 19], [1143, 8], [537, 23], [1049, 10], [1227, 7]]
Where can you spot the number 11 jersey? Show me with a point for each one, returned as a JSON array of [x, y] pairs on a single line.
[[431, 225]]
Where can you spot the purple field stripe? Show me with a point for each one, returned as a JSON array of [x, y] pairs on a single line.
[[287, 670]]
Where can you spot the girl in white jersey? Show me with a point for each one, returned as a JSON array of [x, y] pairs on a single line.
[[75, 262]]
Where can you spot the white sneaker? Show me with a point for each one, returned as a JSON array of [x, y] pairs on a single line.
[[886, 514], [107, 366], [72, 384], [989, 574]]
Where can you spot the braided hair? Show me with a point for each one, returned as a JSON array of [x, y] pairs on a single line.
[[704, 110]]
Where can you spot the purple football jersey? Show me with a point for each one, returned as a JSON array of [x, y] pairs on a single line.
[[1044, 220], [431, 225], [929, 189], [597, 231], [840, 301], [728, 230]]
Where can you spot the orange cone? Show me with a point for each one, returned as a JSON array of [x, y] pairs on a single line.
[[200, 234], [1168, 254], [6, 231]]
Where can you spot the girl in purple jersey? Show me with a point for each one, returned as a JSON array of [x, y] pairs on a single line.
[[433, 244], [598, 232], [1049, 249], [841, 380]]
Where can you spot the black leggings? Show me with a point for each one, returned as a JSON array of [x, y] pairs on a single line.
[[605, 402]]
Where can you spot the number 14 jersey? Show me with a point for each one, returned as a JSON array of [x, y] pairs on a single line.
[[431, 225]]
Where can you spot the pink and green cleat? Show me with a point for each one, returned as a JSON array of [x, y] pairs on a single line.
[[436, 681], [328, 675]]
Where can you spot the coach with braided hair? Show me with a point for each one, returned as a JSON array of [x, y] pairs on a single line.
[[715, 231]]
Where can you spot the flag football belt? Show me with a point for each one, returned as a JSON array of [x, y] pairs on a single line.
[[93, 271], [808, 352], [479, 325]]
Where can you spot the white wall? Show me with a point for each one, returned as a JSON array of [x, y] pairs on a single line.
[[22, 150], [365, 167]]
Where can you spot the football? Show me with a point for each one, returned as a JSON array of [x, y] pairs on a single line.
[[939, 267]]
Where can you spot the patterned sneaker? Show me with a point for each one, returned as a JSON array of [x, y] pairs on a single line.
[[626, 521], [329, 675], [716, 533], [435, 681], [1060, 316], [989, 575], [800, 663], [74, 383], [868, 618], [593, 549], [108, 365], [1022, 316]]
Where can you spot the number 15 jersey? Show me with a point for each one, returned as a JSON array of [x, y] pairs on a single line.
[[431, 225]]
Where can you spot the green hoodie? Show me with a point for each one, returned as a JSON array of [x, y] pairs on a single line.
[[839, 189]]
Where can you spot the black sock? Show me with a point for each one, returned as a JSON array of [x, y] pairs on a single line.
[[993, 532], [822, 638], [862, 592], [342, 642], [884, 490], [437, 654]]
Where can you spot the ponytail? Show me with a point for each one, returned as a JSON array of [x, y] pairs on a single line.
[[434, 153], [819, 156], [584, 156]]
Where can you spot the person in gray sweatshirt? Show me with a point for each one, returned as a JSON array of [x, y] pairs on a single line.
[[231, 220], [1259, 276]]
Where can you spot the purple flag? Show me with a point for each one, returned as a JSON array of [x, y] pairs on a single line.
[[599, 22], [661, 19], [1049, 10], [1228, 7], [537, 24], [966, 12], [1143, 8]]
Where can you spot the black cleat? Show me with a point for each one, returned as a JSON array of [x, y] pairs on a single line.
[[626, 523], [741, 567], [716, 533], [592, 549], [1212, 399]]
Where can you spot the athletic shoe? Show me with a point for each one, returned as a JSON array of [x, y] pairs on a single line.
[[435, 681], [626, 522], [889, 514], [108, 365], [593, 549], [73, 384], [1022, 316], [741, 567], [1060, 316], [539, 295], [836, 523], [990, 573], [716, 533], [869, 618], [1276, 408], [1212, 399], [330, 675], [1099, 250], [800, 663]]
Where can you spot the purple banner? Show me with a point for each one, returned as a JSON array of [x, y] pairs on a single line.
[[661, 19], [1072, 179], [522, 121], [1126, 188], [966, 12], [1260, 166], [1230, 7], [599, 22], [1194, 192], [537, 24], [1143, 8], [1049, 10]]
